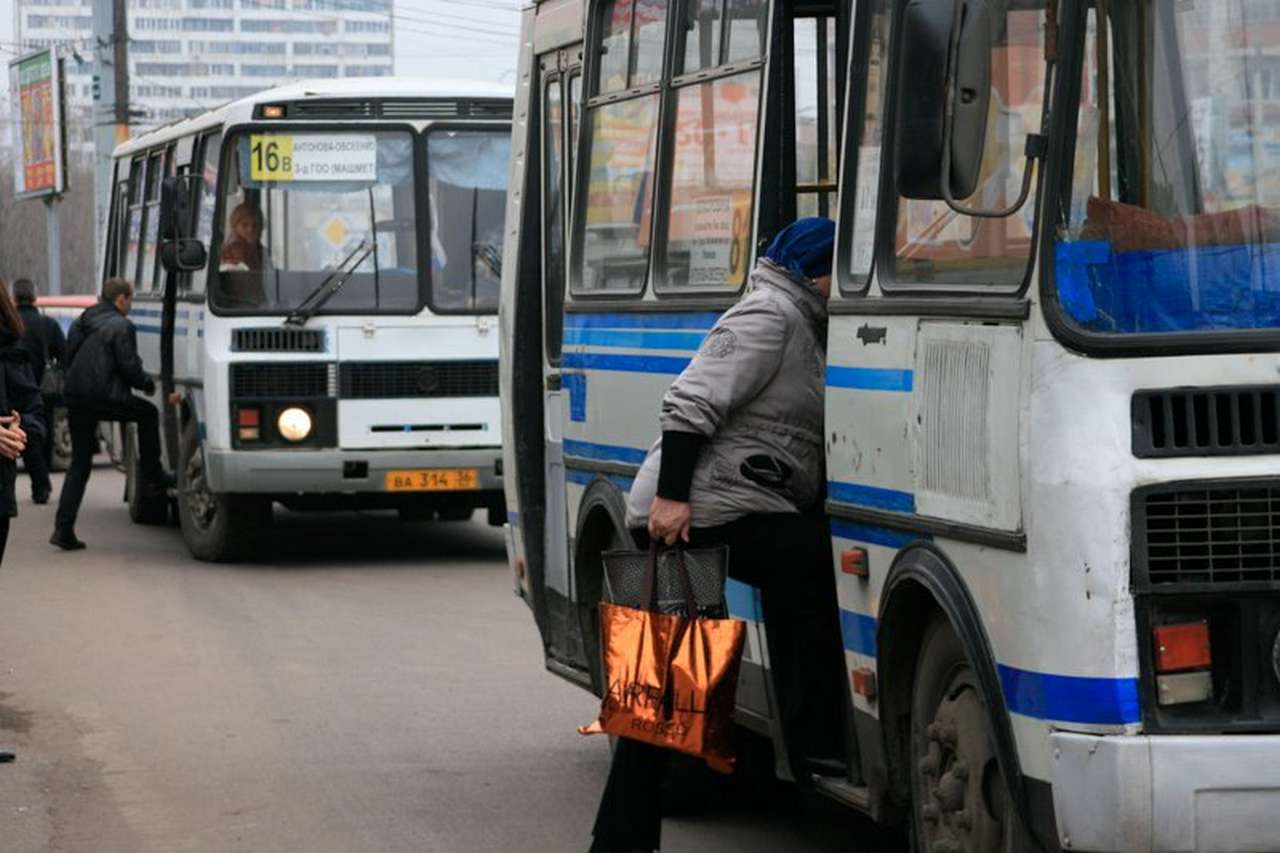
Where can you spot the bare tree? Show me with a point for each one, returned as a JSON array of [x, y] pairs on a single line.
[[24, 235]]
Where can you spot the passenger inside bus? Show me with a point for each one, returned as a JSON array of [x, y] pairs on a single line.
[[243, 252]]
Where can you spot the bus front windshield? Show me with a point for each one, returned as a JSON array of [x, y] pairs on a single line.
[[299, 206], [1170, 215]]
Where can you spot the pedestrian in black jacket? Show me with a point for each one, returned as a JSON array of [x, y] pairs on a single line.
[[42, 338], [20, 402], [103, 368]]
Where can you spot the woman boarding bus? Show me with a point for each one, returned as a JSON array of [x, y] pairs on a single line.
[[1053, 303], [316, 270]]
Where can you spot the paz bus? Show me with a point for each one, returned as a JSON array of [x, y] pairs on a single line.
[[316, 270], [1052, 432]]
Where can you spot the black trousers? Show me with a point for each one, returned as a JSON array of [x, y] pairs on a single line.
[[83, 420], [4, 535], [788, 557], [38, 457]]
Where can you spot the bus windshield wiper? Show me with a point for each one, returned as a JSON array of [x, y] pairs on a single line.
[[329, 288]]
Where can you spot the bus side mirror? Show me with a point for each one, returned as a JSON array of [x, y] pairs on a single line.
[[179, 251], [943, 97]]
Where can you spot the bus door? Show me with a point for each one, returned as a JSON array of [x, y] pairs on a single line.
[[559, 97]]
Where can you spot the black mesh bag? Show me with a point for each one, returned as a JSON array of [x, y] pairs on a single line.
[[626, 577]]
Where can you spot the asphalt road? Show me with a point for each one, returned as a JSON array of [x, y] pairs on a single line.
[[368, 686]]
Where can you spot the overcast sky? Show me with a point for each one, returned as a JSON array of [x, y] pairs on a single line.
[[470, 39]]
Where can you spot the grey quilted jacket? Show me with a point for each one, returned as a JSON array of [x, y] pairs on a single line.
[[755, 389]]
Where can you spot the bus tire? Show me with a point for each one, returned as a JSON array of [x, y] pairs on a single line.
[[959, 800], [217, 527], [60, 437], [143, 508]]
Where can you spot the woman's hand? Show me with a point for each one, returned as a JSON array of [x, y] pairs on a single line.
[[669, 520], [13, 438]]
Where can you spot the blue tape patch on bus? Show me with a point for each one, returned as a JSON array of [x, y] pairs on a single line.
[[576, 385], [703, 320], [869, 378], [1070, 698], [743, 600], [871, 496], [604, 452], [634, 338], [624, 363], [873, 535], [859, 632]]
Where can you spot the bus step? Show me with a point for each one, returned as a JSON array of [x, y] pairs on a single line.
[[843, 791]]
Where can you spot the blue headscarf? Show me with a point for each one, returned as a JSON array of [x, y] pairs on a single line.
[[805, 247]]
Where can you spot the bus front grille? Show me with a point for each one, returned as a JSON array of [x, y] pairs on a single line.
[[280, 380], [277, 339], [1242, 420], [1207, 534], [382, 380]]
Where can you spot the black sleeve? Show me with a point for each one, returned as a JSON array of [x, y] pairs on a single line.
[[124, 345], [74, 339], [55, 341], [679, 458], [24, 397]]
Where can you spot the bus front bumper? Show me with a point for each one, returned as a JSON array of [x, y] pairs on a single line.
[[1167, 793], [302, 472]]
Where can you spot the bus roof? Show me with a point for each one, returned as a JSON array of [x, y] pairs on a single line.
[[382, 87]]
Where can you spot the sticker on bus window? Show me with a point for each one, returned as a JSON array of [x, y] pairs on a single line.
[[308, 157]]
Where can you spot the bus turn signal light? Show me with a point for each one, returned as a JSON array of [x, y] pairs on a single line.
[[273, 111], [1182, 646], [249, 422]]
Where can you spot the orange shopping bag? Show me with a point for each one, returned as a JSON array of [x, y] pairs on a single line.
[[671, 680]]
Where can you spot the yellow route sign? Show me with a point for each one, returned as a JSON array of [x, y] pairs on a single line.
[[270, 157], [281, 157]]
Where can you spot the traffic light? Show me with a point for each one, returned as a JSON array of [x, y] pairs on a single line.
[[97, 87]]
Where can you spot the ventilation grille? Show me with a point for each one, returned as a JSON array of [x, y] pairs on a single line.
[[1210, 534], [400, 108], [281, 381], [1236, 421], [277, 339], [954, 419], [383, 380]]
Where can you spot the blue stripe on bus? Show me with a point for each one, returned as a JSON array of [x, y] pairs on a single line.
[[873, 535], [604, 452], [859, 632], [703, 320], [869, 378], [624, 363], [633, 338], [1070, 698], [178, 331], [743, 600], [872, 496], [586, 478]]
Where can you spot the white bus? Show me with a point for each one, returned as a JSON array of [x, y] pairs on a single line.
[[316, 272], [1051, 409]]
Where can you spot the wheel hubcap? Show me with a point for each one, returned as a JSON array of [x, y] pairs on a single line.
[[957, 816], [199, 500]]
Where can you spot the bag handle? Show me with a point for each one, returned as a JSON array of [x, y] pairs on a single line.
[[651, 579]]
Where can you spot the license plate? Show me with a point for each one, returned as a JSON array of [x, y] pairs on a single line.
[[433, 480]]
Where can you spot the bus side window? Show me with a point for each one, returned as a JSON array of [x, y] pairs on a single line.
[[864, 141], [814, 44], [150, 223], [207, 162], [553, 199], [133, 234], [712, 165]]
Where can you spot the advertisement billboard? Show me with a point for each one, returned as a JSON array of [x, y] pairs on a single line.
[[35, 84]]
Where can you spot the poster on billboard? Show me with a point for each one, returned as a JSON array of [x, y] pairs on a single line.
[[35, 85]]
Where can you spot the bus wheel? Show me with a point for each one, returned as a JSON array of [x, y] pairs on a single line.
[[143, 508], [216, 527], [959, 800]]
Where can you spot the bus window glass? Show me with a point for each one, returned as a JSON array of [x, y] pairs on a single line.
[[937, 246], [575, 119], [467, 182], [150, 223], [815, 104], [205, 201], [713, 172], [746, 29], [867, 102], [615, 45], [553, 266], [1173, 218], [650, 36], [133, 235], [297, 204], [702, 35], [618, 195]]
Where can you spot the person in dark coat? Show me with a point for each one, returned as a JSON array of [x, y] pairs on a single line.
[[22, 421], [44, 341], [103, 369]]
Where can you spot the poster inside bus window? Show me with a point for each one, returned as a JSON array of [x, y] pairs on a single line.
[[35, 86]]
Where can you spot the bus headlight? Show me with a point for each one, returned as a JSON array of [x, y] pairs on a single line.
[[294, 423]]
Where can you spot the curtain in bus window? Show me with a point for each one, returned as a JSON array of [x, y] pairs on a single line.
[[619, 194], [467, 172], [936, 245], [712, 177]]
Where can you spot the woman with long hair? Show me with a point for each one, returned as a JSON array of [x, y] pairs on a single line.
[[20, 404]]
